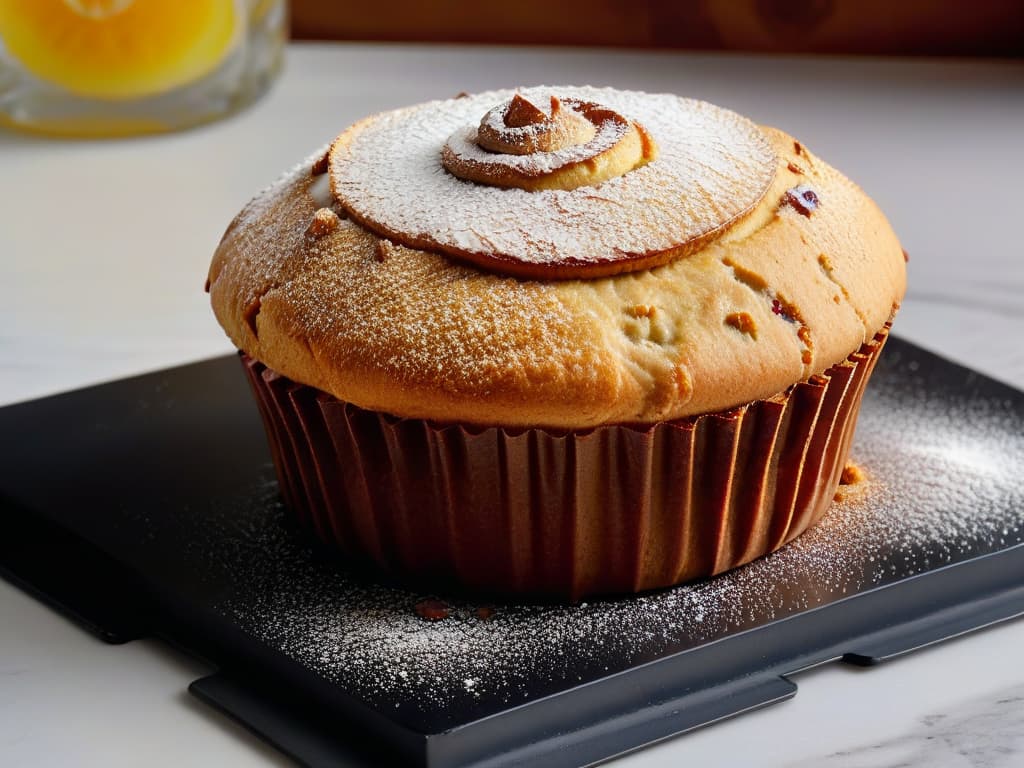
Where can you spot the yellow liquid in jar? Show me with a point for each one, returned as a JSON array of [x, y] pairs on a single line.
[[116, 50]]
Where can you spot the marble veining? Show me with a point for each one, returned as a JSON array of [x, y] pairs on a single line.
[[983, 732]]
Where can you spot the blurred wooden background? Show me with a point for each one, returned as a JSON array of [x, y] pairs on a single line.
[[901, 27]]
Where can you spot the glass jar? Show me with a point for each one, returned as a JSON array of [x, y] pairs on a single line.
[[121, 67]]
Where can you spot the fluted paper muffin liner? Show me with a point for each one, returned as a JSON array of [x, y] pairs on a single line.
[[618, 508]]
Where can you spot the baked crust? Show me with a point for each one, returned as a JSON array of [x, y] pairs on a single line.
[[793, 289]]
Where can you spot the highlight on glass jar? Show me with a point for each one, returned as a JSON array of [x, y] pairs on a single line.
[[121, 67]]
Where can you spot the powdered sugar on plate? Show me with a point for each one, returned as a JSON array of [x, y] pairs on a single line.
[[942, 487]]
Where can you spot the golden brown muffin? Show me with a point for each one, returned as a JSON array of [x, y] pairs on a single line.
[[561, 263]]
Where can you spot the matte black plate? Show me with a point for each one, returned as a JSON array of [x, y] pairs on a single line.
[[149, 507]]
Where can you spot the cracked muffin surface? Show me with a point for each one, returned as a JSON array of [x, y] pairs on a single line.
[[794, 286]]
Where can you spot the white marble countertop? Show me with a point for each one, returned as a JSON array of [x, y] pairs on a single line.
[[103, 252]]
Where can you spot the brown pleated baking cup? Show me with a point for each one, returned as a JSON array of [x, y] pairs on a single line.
[[618, 508]]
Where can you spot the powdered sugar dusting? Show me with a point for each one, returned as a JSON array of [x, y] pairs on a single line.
[[495, 121], [463, 144], [942, 487], [353, 293], [713, 165], [519, 127]]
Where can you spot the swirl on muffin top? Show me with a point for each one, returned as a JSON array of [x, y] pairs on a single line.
[[574, 144], [554, 183]]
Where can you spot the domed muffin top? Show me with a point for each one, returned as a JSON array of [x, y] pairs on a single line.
[[516, 259]]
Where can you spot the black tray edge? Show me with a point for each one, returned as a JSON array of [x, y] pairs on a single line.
[[672, 699], [107, 604]]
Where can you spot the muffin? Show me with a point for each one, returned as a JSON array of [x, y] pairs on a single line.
[[559, 341]]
